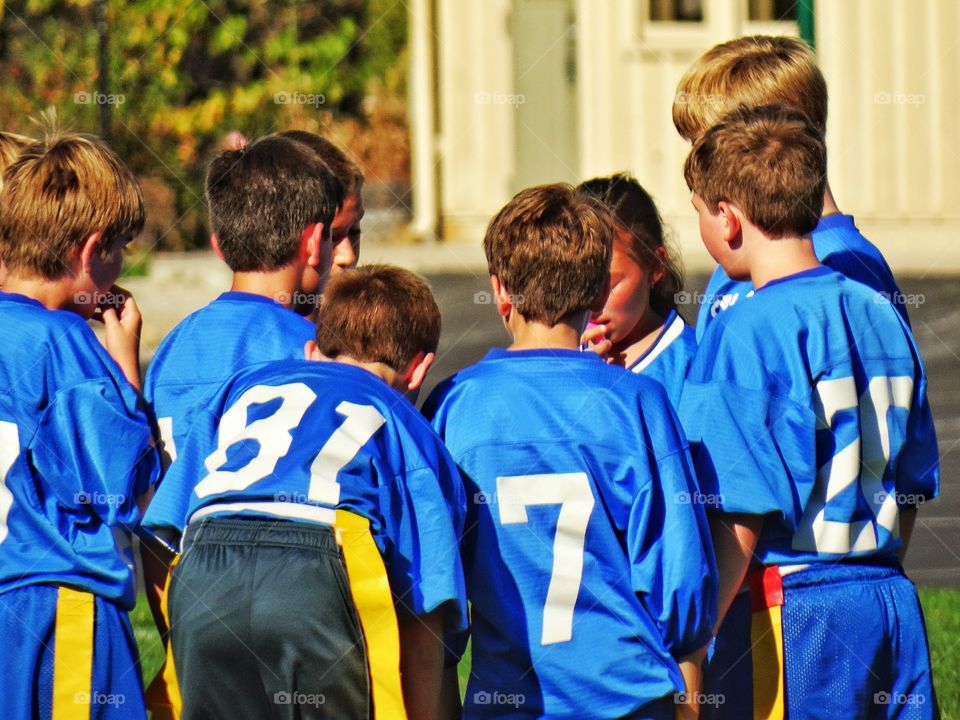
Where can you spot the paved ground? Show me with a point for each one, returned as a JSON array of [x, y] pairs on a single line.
[[471, 327]]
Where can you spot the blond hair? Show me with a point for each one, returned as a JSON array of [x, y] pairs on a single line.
[[56, 194], [769, 161], [752, 71], [550, 247], [11, 145]]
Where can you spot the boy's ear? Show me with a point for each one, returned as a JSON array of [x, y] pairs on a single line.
[[416, 371], [660, 272], [311, 351], [215, 246], [731, 221], [311, 240], [501, 297], [87, 251]]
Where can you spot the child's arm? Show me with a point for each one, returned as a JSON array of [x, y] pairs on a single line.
[[691, 667], [122, 324], [734, 540], [450, 705], [156, 559], [421, 664], [908, 517]]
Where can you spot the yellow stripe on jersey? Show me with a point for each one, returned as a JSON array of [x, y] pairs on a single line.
[[73, 655], [370, 589], [766, 639], [163, 695]]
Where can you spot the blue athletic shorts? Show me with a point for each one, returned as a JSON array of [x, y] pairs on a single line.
[[69, 650], [852, 641]]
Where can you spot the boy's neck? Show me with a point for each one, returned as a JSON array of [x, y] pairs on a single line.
[[52, 294], [278, 285], [771, 259], [533, 335], [829, 204]]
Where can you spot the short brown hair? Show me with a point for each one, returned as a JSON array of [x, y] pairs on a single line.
[[56, 194], [11, 145], [346, 170], [769, 161], [263, 196], [754, 70], [635, 211], [550, 247], [378, 313]]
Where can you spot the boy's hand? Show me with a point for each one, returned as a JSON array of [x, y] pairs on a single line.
[[122, 323], [594, 339]]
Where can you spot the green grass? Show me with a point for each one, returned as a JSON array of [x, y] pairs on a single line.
[[941, 609]]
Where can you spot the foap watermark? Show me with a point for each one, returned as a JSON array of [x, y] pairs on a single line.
[[101, 299], [898, 97], [709, 699], [495, 97], [101, 499], [514, 700], [485, 297], [98, 98], [291, 497], [909, 499], [689, 98], [298, 698], [99, 698], [299, 98], [697, 498], [912, 300], [685, 297], [298, 299], [897, 698]]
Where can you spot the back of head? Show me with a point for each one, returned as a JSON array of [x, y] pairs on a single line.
[[635, 211], [550, 247], [56, 194], [346, 170], [378, 313], [769, 161], [753, 71], [262, 197]]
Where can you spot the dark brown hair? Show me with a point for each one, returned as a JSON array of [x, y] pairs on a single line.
[[346, 170], [769, 161], [262, 197], [378, 313], [550, 247], [634, 210], [57, 193]]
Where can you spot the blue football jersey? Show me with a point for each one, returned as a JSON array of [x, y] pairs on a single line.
[[669, 358], [587, 554], [300, 439], [809, 404], [839, 245], [234, 332], [75, 454]]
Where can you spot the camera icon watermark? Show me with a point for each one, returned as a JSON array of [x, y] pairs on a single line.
[[298, 698], [98, 98], [912, 300], [101, 499], [710, 699], [485, 297], [298, 498], [300, 98], [297, 299], [909, 499], [897, 698], [898, 97], [495, 97], [99, 698], [484, 697], [100, 299], [696, 497]]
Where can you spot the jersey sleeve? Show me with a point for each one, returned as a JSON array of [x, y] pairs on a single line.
[[423, 512], [918, 465], [94, 448], [673, 570], [754, 452]]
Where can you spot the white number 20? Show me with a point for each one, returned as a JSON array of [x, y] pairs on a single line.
[[274, 438], [571, 491], [865, 458]]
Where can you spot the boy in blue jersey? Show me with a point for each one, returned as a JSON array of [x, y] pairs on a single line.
[[761, 70], [328, 511], [586, 555], [807, 413], [75, 442]]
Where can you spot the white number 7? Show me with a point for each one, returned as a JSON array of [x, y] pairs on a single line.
[[571, 491]]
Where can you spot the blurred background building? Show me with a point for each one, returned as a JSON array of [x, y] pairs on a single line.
[[509, 93]]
